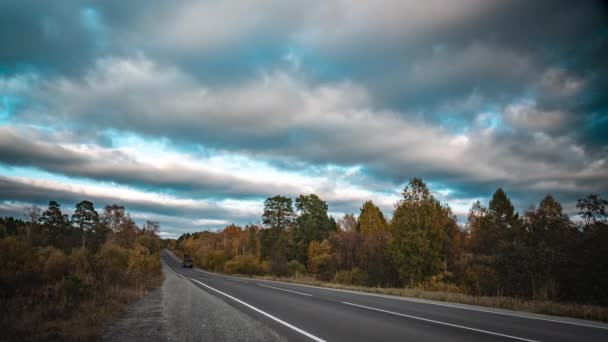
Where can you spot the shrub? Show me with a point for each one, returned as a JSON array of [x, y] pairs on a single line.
[[75, 289], [278, 266], [214, 261], [295, 268], [243, 264], [80, 265], [265, 265], [56, 265], [352, 277], [142, 264], [113, 261], [152, 243], [437, 284]]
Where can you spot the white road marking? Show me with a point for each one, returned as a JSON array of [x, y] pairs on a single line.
[[504, 313], [455, 306], [169, 268], [442, 323], [422, 301], [278, 288], [240, 281], [309, 335]]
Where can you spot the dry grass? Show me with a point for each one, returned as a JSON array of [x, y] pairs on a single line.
[[40, 317], [590, 312]]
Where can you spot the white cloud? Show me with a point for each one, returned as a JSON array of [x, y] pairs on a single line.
[[526, 115]]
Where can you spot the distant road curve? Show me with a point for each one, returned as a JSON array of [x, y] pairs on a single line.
[[308, 313]]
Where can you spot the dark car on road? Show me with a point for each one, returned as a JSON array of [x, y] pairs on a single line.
[[187, 263]]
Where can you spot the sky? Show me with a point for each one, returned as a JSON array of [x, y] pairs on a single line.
[[191, 113]]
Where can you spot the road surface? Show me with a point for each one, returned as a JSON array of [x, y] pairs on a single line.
[[306, 313]]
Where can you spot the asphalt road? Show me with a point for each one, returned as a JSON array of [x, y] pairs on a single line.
[[305, 313]]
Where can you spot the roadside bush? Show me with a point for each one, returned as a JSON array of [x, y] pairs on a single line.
[[265, 265], [152, 243], [75, 290], [278, 266], [80, 265], [56, 264], [480, 280], [214, 261], [142, 264], [295, 268], [356, 276], [437, 284], [20, 268], [113, 261], [243, 264]]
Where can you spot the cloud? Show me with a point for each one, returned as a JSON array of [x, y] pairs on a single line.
[[117, 165], [281, 115], [527, 116], [41, 191], [345, 99]]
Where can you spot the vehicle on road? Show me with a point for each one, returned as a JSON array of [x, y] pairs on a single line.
[[187, 263]]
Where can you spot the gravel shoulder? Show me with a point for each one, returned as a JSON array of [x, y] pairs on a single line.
[[180, 311]]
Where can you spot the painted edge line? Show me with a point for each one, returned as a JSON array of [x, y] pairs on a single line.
[[309, 335], [430, 302], [446, 304], [280, 289], [442, 323]]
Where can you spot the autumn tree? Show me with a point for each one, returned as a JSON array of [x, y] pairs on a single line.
[[371, 220], [320, 261], [373, 256]]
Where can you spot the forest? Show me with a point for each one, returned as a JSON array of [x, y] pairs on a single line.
[[63, 278], [541, 254]]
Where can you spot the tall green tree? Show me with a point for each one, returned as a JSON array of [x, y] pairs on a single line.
[[278, 212], [312, 224], [550, 243], [55, 224], [505, 221], [277, 218], [85, 219], [505, 244], [418, 234]]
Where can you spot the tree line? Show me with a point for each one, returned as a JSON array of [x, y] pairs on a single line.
[[541, 254], [62, 277]]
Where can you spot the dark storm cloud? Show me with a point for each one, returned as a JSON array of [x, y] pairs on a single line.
[[42, 192], [116, 166]]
